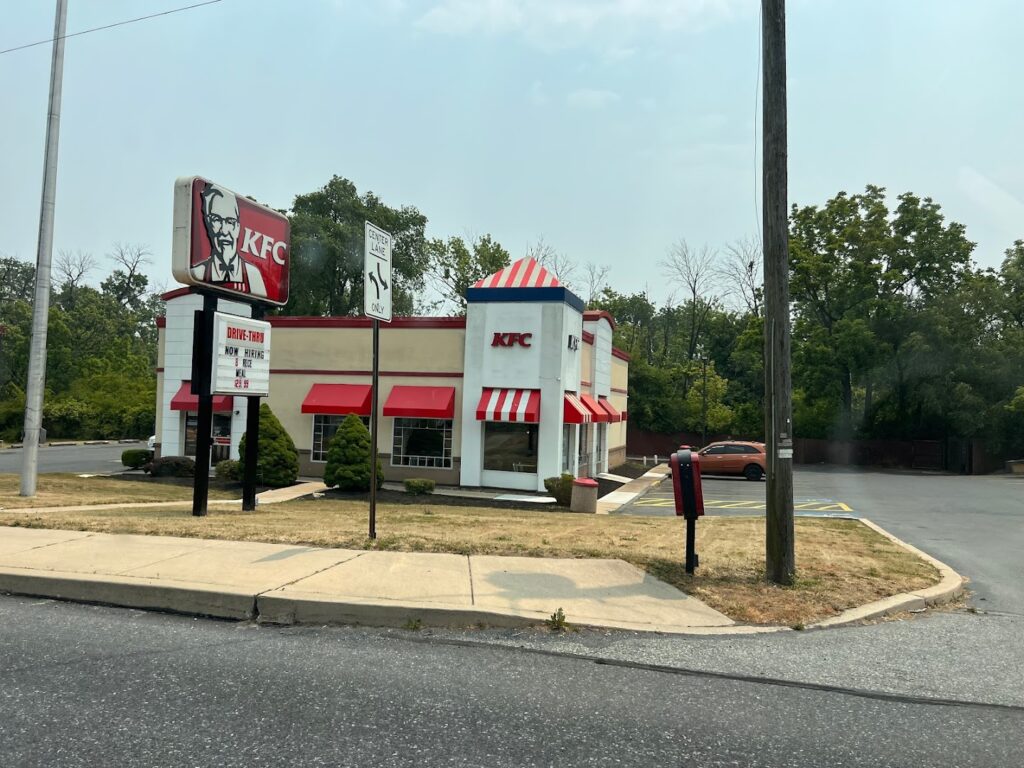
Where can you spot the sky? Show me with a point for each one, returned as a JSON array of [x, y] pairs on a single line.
[[610, 129]]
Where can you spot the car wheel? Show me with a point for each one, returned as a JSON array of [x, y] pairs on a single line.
[[752, 472]]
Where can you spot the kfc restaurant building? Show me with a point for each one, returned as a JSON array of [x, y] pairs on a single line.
[[526, 386]]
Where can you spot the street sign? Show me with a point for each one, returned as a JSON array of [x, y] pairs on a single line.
[[241, 356], [377, 285], [226, 243]]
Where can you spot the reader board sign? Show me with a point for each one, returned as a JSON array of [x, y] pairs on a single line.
[[226, 243], [241, 356]]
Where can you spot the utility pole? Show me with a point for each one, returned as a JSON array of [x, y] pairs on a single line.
[[44, 256], [780, 562]]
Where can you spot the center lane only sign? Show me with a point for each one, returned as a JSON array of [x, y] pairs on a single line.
[[377, 287], [241, 356]]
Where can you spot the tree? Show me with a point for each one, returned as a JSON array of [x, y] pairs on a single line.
[[17, 280], [692, 271], [328, 229], [454, 267], [277, 463], [348, 457], [562, 266], [742, 272]]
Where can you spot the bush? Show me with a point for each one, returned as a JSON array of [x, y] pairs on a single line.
[[418, 485], [560, 488], [277, 464], [348, 457], [136, 458], [229, 469], [173, 466]]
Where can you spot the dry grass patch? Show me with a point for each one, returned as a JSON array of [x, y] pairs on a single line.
[[62, 490], [842, 563]]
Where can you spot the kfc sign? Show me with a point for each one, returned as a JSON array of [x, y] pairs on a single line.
[[511, 339], [227, 243]]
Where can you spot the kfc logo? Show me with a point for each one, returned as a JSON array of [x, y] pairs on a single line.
[[511, 339], [227, 243]]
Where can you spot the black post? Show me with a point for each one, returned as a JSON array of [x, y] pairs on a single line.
[[691, 543], [373, 430], [252, 439], [202, 363]]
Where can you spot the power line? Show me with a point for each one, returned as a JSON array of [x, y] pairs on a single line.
[[110, 26]]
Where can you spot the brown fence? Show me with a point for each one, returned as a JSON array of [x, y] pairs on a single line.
[[962, 456]]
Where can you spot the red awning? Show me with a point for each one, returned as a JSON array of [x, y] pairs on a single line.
[[421, 402], [509, 405], [613, 415], [574, 411], [184, 400], [338, 399], [598, 413]]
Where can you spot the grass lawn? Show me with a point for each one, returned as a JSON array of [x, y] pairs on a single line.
[[841, 563], [58, 490]]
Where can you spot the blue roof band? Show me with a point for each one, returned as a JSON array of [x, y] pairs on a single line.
[[563, 295]]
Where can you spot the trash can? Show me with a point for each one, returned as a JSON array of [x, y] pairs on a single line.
[[584, 495]]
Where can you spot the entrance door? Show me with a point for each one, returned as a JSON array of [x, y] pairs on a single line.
[[220, 432]]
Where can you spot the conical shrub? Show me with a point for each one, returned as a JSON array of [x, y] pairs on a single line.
[[277, 464], [348, 457]]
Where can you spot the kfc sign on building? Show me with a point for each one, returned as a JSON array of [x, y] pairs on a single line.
[[229, 244]]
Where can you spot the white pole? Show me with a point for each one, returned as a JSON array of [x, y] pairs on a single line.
[[41, 306]]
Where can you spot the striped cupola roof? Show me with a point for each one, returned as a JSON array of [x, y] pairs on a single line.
[[525, 273]]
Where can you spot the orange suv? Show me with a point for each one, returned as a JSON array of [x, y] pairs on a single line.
[[733, 457]]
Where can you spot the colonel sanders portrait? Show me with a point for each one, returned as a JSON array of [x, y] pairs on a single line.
[[225, 266]]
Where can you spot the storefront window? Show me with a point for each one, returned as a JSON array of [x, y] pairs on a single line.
[[584, 454], [324, 428], [510, 447], [567, 447], [422, 443], [220, 432]]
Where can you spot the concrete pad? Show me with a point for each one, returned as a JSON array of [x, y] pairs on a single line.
[[246, 566], [14, 540], [391, 576], [103, 553], [595, 592]]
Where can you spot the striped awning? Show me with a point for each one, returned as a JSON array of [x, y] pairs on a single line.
[[509, 405], [525, 273], [575, 412]]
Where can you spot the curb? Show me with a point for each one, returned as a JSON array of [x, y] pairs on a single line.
[[630, 491], [950, 587]]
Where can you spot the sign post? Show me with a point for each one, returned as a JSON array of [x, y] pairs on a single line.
[[227, 245], [377, 290]]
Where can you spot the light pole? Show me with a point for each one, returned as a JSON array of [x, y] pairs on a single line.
[[704, 399]]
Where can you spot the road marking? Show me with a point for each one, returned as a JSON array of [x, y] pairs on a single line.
[[804, 506]]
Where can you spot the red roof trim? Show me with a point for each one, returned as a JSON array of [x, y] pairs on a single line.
[[620, 391], [593, 315], [175, 293], [588, 337], [585, 383], [397, 374], [281, 321], [616, 352], [161, 321]]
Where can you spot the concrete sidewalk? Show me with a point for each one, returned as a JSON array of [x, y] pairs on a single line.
[[286, 584]]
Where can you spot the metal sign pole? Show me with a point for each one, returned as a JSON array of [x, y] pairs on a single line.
[[373, 429], [202, 359], [252, 439]]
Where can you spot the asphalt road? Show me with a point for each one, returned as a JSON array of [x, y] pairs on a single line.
[[974, 524], [90, 686], [92, 459]]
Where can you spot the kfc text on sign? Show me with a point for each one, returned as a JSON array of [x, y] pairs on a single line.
[[377, 274], [241, 356]]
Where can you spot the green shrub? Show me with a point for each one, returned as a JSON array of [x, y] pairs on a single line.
[[229, 469], [348, 457], [173, 466], [560, 488], [277, 464], [136, 458], [418, 485]]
